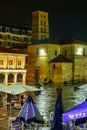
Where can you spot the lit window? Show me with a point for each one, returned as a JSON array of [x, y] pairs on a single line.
[[1, 61], [19, 62], [10, 62]]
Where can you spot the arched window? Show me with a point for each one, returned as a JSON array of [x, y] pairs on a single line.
[[2, 77], [19, 78], [10, 78]]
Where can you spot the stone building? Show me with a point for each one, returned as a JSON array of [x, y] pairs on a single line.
[[41, 59], [77, 51], [39, 56], [41, 52], [61, 69], [12, 66]]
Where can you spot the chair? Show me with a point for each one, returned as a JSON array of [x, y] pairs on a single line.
[[17, 126], [48, 118], [51, 115], [10, 121], [12, 125]]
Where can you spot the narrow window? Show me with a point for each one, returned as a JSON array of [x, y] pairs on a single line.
[[55, 53], [54, 66], [37, 51]]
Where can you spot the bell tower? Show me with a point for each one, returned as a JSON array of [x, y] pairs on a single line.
[[40, 25]]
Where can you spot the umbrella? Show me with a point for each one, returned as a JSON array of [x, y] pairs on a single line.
[[2, 86], [77, 112], [81, 121], [29, 112], [18, 88], [57, 119]]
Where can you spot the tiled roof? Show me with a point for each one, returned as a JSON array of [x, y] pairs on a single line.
[[61, 58]]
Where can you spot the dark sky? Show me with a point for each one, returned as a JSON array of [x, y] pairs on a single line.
[[66, 19]]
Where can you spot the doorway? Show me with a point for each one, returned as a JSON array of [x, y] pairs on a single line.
[[36, 74]]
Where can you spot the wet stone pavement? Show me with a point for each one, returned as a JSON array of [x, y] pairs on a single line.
[[45, 101]]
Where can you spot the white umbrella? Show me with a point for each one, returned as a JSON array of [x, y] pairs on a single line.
[[18, 88], [2, 86]]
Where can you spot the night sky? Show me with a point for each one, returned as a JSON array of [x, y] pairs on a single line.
[[66, 19]]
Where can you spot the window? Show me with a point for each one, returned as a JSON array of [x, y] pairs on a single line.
[[14, 31], [44, 23], [37, 51], [84, 51], [44, 30], [54, 66], [7, 29], [0, 29], [41, 36], [0, 43], [1, 61], [19, 62], [23, 32], [55, 52], [18, 31], [41, 22], [8, 44], [0, 36], [45, 37], [8, 36], [10, 62], [65, 53], [41, 29]]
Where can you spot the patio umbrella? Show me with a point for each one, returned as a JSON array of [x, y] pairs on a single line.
[[81, 121], [29, 112], [57, 119], [2, 86], [18, 88]]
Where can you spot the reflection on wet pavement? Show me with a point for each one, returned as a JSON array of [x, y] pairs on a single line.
[[46, 101]]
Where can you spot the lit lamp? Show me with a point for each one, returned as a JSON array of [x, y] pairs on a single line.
[[80, 51], [42, 52]]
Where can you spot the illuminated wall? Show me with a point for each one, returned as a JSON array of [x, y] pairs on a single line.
[[12, 64]]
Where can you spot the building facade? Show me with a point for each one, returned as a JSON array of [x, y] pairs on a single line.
[[40, 52], [77, 51], [12, 66], [40, 67], [15, 37]]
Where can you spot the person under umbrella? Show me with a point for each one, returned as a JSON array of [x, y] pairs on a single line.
[[57, 118], [29, 113]]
